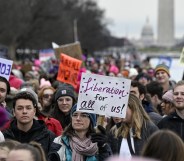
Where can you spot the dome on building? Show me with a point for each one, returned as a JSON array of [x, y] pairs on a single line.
[[147, 29], [147, 34]]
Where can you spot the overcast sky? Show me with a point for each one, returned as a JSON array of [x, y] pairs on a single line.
[[127, 17]]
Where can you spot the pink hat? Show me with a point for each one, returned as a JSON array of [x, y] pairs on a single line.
[[44, 83], [168, 96]]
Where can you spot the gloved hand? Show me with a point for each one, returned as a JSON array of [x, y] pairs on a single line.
[[100, 137]]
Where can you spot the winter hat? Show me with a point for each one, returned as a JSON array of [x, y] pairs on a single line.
[[29, 90], [132, 72], [64, 90], [44, 82], [168, 96], [91, 116], [163, 67]]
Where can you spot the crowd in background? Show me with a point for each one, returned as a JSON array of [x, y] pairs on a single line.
[[39, 121]]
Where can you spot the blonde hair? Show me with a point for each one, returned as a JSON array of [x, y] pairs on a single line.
[[139, 119]]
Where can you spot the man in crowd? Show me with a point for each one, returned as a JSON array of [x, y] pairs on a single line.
[[24, 128], [175, 121]]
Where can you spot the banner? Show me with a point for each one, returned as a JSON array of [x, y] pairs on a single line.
[[46, 54], [182, 57], [5, 68], [103, 95], [68, 70]]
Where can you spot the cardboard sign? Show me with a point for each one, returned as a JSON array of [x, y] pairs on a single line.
[[182, 57], [5, 68], [103, 95], [68, 70], [74, 50]]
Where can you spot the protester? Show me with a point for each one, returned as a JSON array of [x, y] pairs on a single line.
[[64, 100], [4, 91], [111, 122], [162, 75], [5, 148], [79, 140], [164, 145], [167, 104], [139, 90], [45, 97], [24, 128], [175, 120], [128, 139], [27, 152], [155, 91]]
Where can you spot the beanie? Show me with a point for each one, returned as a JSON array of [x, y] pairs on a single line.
[[91, 116], [30, 91], [64, 91], [162, 67], [168, 96]]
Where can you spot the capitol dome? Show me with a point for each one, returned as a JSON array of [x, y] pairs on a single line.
[[147, 29], [147, 33]]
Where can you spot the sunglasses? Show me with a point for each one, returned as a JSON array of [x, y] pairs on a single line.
[[47, 96]]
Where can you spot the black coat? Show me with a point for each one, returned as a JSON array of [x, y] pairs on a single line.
[[174, 123], [38, 133]]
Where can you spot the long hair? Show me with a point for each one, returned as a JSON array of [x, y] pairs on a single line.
[[164, 145], [139, 119]]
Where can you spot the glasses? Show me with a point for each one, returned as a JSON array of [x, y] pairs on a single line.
[[47, 96], [82, 115]]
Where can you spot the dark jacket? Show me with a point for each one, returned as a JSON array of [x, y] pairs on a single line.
[[54, 155], [38, 133], [174, 123], [155, 117], [147, 130], [61, 117]]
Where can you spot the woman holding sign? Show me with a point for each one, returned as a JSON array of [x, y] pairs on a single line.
[[79, 141], [128, 138]]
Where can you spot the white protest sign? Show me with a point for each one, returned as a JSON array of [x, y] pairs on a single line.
[[103, 95], [5, 68]]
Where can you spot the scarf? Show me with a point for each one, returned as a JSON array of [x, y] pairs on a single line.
[[82, 147]]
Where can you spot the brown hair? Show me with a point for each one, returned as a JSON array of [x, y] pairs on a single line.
[[164, 145]]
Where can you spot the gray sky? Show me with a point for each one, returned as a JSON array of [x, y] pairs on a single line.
[[127, 17]]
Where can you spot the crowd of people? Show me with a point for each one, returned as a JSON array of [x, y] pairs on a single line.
[[39, 120]]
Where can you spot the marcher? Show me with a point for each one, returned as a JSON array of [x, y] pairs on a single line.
[[136, 128], [139, 90], [27, 152], [167, 104], [79, 140], [5, 148], [164, 145], [64, 100], [162, 75], [4, 91], [24, 128], [175, 120], [45, 98]]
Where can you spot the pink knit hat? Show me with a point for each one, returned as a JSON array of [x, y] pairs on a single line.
[[168, 96]]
